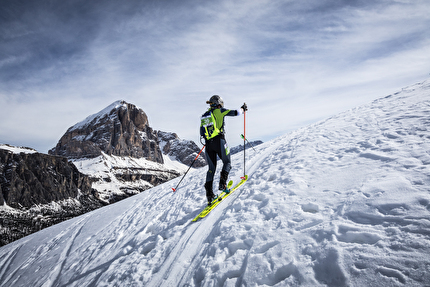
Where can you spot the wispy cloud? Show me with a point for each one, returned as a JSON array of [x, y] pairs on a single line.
[[61, 61]]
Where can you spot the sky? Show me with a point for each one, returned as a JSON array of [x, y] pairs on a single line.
[[293, 62]]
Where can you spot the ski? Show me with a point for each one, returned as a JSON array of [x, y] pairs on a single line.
[[223, 195], [216, 201]]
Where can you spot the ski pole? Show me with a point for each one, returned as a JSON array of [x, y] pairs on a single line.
[[242, 136], [174, 189], [244, 147]]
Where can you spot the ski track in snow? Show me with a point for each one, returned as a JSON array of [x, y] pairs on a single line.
[[343, 202]]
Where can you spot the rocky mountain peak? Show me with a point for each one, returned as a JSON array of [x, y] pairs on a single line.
[[184, 151], [120, 129]]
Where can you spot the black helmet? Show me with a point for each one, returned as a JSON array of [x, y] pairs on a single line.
[[215, 100]]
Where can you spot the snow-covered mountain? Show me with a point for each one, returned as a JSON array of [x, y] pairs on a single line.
[[114, 154], [248, 146], [123, 155], [16, 149], [184, 151], [343, 202], [121, 129], [38, 190]]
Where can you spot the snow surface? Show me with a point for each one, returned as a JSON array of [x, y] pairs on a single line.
[[17, 150], [343, 202], [107, 166]]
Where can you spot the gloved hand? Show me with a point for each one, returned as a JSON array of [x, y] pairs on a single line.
[[244, 107]]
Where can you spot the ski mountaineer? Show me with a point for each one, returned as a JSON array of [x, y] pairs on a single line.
[[212, 130]]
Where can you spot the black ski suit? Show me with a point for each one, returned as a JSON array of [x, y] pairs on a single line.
[[217, 146]]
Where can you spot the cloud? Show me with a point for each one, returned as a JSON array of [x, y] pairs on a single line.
[[284, 58]]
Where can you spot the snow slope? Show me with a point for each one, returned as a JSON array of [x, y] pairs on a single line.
[[343, 202], [15, 149], [105, 168]]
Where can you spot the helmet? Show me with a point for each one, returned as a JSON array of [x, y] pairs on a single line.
[[215, 100]]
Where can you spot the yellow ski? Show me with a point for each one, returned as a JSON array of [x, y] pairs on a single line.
[[223, 195]]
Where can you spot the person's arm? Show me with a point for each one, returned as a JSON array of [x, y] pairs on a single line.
[[233, 113]]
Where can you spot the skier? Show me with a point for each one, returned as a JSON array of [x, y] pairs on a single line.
[[212, 130]]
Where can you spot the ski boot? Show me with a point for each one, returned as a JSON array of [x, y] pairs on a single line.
[[223, 182], [209, 193]]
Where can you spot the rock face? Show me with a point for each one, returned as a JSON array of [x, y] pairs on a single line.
[[1, 196], [122, 154], [29, 179], [185, 151], [40, 190], [121, 129]]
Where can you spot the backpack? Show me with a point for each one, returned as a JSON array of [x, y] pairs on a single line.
[[208, 127]]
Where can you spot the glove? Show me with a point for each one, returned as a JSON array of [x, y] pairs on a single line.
[[244, 107]]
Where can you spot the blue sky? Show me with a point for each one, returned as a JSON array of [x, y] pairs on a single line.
[[292, 62]]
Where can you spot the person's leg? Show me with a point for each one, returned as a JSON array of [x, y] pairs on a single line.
[[224, 154], [211, 161]]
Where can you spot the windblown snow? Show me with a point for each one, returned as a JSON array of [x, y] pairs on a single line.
[[343, 202]]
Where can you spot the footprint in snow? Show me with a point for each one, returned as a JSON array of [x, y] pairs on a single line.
[[310, 207]]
